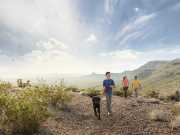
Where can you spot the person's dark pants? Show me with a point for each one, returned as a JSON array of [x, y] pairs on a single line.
[[125, 89]]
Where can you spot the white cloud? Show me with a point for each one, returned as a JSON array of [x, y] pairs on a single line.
[[52, 44], [121, 60], [91, 39], [136, 9], [109, 6], [49, 60], [121, 55], [134, 26], [62, 61], [142, 20], [45, 19], [130, 37], [59, 30]]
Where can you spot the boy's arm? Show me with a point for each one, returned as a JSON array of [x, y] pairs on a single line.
[[132, 85], [113, 84]]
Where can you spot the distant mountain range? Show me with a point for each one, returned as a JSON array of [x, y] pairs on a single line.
[[94, 79], [156, 75]]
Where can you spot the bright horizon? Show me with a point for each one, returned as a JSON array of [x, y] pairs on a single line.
[[78, 37]]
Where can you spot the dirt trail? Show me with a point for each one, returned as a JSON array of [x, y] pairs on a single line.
[[129, 118]]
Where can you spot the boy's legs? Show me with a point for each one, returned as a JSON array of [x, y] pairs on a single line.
[[108, 100], [136, 92]]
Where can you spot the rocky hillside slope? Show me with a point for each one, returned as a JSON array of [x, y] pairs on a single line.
[[166, 78]]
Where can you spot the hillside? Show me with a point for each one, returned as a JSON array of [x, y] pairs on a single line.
[[94, 80], [145, 70], [156, 75], [166, 78]]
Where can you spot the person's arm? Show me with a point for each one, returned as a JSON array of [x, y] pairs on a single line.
[[132, 85], [140, 85], [113, 84]]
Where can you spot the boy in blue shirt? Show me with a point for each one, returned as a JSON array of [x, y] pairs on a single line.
[[108, 85]]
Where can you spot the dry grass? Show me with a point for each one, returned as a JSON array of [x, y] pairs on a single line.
[[176, 108], [176, 122], [159, 115]]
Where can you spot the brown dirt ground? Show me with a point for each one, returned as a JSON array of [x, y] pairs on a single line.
[[129, 118]]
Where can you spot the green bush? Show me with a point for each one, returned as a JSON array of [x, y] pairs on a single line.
[[24, 111], [120, 92], [73, 89], [5, 85], [59, 95], [21, 114], [152, 94], [91, 92], [176, 108]]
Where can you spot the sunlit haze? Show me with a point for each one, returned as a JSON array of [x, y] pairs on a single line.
[[84, 36]]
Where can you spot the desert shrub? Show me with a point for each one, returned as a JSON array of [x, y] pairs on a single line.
[[174, 96], [22, 115], [152, 94], [73, 89], [59, 95], [53, 94], [82, 90], [24, 111], [176, 122], [169, 96], [120, 92], [22, 84], [91, 92], [70, 89], [176, 108], [159, 115], [5, 85]]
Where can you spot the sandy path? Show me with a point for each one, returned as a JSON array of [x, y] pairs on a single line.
[[129, 118]]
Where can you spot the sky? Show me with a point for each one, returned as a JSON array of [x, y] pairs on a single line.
[[84, 36]]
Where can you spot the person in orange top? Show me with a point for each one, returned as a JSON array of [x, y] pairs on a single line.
[[125, 85], [136, 85]]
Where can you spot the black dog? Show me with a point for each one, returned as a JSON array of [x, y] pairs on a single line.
[[96, 106]]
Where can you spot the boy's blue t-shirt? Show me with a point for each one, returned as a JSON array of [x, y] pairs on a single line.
[[107, 83]]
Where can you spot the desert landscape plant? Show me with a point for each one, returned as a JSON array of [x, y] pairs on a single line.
[[159, 115], [175, 123], [22, 112], [5, 85], [176, 108], [91, 92]]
